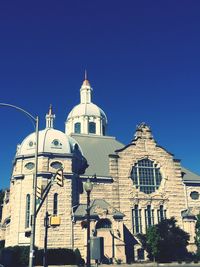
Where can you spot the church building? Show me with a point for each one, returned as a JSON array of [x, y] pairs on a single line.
[[135, 185]]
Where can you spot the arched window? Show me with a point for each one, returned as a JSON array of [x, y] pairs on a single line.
[[104, 130], [77, 127], [149, 216], [103, 223], [146, 176], [161, 213], [55, 204], [137, 224], [27, 215], [92, 127]]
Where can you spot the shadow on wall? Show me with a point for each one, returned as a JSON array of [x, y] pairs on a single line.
[[130, 242]]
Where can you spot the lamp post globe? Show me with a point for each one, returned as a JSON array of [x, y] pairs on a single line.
[[88, 186]]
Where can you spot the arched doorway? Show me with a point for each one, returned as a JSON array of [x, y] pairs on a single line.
[[104, 229]]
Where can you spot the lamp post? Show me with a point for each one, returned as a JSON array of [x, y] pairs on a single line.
[[88, 188], [35, 121]]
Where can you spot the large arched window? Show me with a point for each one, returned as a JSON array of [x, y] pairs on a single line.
[[27, 215], [146, 176], [55, 204], [149, 216], [92, 127], [161, 213], [137, 223], [103, 223], [77, 127]]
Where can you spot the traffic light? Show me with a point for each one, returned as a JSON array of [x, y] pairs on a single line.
[[39, 191], [59, 178]]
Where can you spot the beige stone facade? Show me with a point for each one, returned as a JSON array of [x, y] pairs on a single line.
[[120, 192], [135, 187]]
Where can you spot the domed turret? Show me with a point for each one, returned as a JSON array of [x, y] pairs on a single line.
[[86, 117], [50, 140]]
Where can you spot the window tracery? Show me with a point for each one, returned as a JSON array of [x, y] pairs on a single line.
[[146, 176]]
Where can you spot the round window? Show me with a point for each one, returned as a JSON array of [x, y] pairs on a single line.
[[30, 143], [29, 165], [194, 195], [56, 165], [55, 142]]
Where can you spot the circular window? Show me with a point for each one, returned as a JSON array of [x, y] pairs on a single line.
[[194, 195], [55, 142], [56, 165], [146, 176], [30, 143], [29, 165]]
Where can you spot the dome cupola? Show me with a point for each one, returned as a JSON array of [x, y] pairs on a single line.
[[50, 141], [86, 117]]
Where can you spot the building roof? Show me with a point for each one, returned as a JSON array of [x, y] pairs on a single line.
[[188, 214], [50, 140], [87, 109], [96, 150], [190, 177], [98, 207]]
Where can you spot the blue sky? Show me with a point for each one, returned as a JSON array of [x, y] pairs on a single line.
[[143, 62]]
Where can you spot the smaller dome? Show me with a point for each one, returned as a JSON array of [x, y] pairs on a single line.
[[50, 141], [87, 109]]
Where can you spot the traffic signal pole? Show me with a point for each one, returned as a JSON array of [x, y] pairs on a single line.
[[46, 225], [48, 187]]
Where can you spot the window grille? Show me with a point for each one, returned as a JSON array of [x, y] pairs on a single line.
[[137, 223], [146, 176], [27, 215], [55, 204], [92, 127], [77, 127]]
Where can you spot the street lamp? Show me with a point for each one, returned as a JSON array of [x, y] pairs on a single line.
[[88, 188], [35, 121]]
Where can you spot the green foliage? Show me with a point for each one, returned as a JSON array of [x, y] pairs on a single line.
[[153, 239], [19, 256], [58, 256], [197, 237], [15, 256], [165, 241], [79, 259]]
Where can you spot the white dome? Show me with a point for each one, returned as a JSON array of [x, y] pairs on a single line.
[[87, 109], [50, 141]]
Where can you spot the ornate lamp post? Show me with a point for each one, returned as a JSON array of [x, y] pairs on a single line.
[[35, 121], [88, 188]]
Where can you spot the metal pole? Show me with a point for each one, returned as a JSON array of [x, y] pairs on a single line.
[[88, 229], [33, 215], [46, 224]]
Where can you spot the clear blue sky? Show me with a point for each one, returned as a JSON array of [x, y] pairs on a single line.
[[143, 60]]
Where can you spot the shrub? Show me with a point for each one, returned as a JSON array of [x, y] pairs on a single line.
[[2, 244], [19, 256], [58, 256], [79, 260], [15, 256]]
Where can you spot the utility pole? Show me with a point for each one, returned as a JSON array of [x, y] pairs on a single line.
[[46, 225], [88, 188]]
